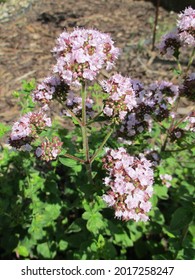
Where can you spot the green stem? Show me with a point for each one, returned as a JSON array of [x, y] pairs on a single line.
[[84, 125], [181, 120], [190, 60], [164, 144], [179, 150], [171, 126], [182, 238], [75, 158], [179, 66], [102, 145], [84, 135], [155, 24], [95, 117], [73, 115]]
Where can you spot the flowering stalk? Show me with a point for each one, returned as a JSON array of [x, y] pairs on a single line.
[[84, 134], [84, 125], [190, 60], [102, 145], [155, 24], [94, 118], [188, 147], [73, 115], [170, 127], [179, 65]]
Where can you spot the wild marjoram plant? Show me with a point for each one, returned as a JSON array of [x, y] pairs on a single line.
[[129, 110]]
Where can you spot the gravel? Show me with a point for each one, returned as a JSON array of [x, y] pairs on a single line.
[[12, 8]]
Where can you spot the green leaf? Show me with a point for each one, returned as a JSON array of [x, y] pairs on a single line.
[[3, 129], [99, 204], [63, 245], [157, 216], [86, 206], [86, 215], [68, 162], [22, 251], [94, 247], [109, 251], [71, 163], [167, 231], [43, 250], [135, 231], [101, 241], [95, 222], [177, 72], [101, 119], [122, 239], [181, 217], [74, 227], [154, 200], [52, 211], [192, 230], [161, 191]]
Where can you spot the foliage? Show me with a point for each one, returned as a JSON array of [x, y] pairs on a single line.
[[49, 210]]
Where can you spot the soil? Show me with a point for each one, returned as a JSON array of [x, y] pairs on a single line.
[[26, 40]]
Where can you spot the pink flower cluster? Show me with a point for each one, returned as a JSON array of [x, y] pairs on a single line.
[[186, 27], [130, 180], [134, 107], [161, 97], [170, 44], [49, 150], [122, 97], [82, 54], [74, 103], [191, 122], [153, 156], [50, 88], [46, 89], [136, 122], [188, 87], [26, 128], [176, 134], [183, 35]]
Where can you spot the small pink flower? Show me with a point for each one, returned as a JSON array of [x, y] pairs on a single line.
[[186, 27], [121, 99], [166, 179], [74, 103], [190, 122], [170, 44], [49, 150], [81, 55], [130, 180], [38, 152], [26, 129]]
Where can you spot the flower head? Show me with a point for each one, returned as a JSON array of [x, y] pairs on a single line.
[[122, 97], [50, 88], [130, 180], [166, 179], [190, 122], [81, 55], [188, 87], [170, 44], [186, 27], [26, 128], [49, 150], [161, 97], [74, 103]]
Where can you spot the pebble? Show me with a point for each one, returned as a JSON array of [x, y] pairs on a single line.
[[12, 8]]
